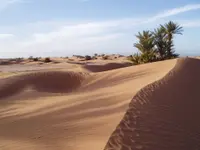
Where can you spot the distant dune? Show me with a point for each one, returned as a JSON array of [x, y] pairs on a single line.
[[164, 114], [51, 81], [105, 67]]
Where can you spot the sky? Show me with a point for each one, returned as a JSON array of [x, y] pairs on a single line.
[[66, 27]]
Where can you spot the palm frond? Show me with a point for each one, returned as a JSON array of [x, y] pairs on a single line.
[[173, 28]]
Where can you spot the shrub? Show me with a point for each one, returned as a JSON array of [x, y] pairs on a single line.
[[148, 57], [87, 57], [78, 56], [135, 59], [47, 60], [19, 59], [30, 58], [94, 57], [140, 58], [35, 59], [105, 57]]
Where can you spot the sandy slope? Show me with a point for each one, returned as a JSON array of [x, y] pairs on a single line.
[[163, 115], [38, 117]]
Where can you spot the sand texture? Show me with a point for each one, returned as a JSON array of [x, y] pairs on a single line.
[[163, 115], [80, 109]]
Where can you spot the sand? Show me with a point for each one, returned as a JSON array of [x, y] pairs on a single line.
[[163, 115], [105, 67], [62, 109]]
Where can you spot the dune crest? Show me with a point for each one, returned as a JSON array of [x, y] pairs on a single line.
[[105, 67], [163, 115], [52, 81]]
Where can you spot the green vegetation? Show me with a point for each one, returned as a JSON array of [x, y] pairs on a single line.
[[156, 45]]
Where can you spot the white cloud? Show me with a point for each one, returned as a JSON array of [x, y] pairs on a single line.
[[6, 36], [173, 12], [83, 37], [178, 10]]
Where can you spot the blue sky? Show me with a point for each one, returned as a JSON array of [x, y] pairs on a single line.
[[66, 27]]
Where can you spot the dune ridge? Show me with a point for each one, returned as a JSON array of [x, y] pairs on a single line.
[[50, 81], [163, 115], [105, 67]]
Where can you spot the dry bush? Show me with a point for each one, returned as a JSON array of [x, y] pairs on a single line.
[[47, 60]]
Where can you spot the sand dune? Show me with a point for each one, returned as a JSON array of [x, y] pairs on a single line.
[[164, 114], [105, 67], [37, 116], [52, 81]]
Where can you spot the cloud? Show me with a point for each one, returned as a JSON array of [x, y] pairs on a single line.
[[83, 37], [173, 12], [6, 36], [178, 10]]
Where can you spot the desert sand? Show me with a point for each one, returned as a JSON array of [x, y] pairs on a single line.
[[111, 107], [163, 115]]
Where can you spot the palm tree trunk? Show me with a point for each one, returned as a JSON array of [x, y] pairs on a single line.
[[169, 45]]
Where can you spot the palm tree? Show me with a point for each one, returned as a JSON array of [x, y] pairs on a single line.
[[171, 29], [146, 46], [145, 43], [160, 42], [157, 45]]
